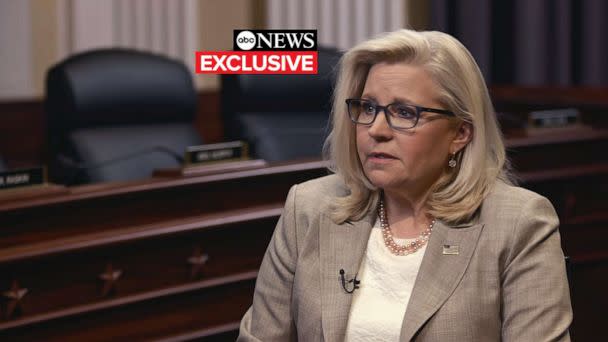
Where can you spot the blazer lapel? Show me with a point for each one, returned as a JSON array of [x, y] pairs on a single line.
[[340, 247], [447, 255]]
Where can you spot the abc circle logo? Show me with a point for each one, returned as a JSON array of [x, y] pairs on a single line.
[[245, 40]]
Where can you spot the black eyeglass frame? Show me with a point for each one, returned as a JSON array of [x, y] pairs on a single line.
[[388, 114]]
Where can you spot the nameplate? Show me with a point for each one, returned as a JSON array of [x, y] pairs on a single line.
[[554, 118], [220, 152], [22, 178]]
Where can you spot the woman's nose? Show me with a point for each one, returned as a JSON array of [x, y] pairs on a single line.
[[380, 127]]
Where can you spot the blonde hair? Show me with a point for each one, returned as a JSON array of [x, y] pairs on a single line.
[[458, 193]]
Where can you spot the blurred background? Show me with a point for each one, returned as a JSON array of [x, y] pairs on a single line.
[[555, 50]]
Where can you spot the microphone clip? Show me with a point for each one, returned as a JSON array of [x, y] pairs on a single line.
[[353, 281]]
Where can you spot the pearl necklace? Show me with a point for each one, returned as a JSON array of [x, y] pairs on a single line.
[[393, 246]]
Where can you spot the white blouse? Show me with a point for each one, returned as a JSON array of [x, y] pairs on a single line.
[[387, 280]]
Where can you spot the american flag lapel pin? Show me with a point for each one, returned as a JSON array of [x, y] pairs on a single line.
[[451, 249]]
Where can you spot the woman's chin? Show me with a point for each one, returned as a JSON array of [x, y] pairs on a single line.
[[385, 181]]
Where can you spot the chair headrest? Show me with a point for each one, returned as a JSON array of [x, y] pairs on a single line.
[[119, 86], [251, 93]]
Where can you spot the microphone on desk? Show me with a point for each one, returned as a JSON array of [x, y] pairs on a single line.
[[355, 282], [83, 166]]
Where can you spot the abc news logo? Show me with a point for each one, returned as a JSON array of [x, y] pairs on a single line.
[[269, 40], [263, 52]]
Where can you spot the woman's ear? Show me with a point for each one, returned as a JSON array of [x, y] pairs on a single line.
[[463, 136]]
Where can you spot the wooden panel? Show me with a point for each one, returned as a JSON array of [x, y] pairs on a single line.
[[22, 138], [591, 100], [577, 197], [146, 203], [68, 284], [184, 315], [589, 300], [558, 150], [531, 97], [586, 242], [209, 121]]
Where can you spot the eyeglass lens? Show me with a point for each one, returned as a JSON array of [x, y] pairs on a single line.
[[364, 112]]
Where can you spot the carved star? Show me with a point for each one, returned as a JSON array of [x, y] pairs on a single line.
[[109, 277], [197, 260], [14, 296]]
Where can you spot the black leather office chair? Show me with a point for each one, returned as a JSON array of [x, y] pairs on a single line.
[[283, 117], [116, 114]]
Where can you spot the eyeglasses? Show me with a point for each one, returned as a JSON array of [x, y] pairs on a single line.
[[398, 115]]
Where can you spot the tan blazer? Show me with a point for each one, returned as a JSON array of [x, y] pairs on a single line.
[[507, 281]]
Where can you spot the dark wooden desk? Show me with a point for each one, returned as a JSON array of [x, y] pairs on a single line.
[[177, 258], [185, 252]]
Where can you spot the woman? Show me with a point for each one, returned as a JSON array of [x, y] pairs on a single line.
[[419, 234]]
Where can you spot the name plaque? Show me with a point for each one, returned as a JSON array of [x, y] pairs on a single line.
[[22, 178], [220, 152], [554, 118]]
